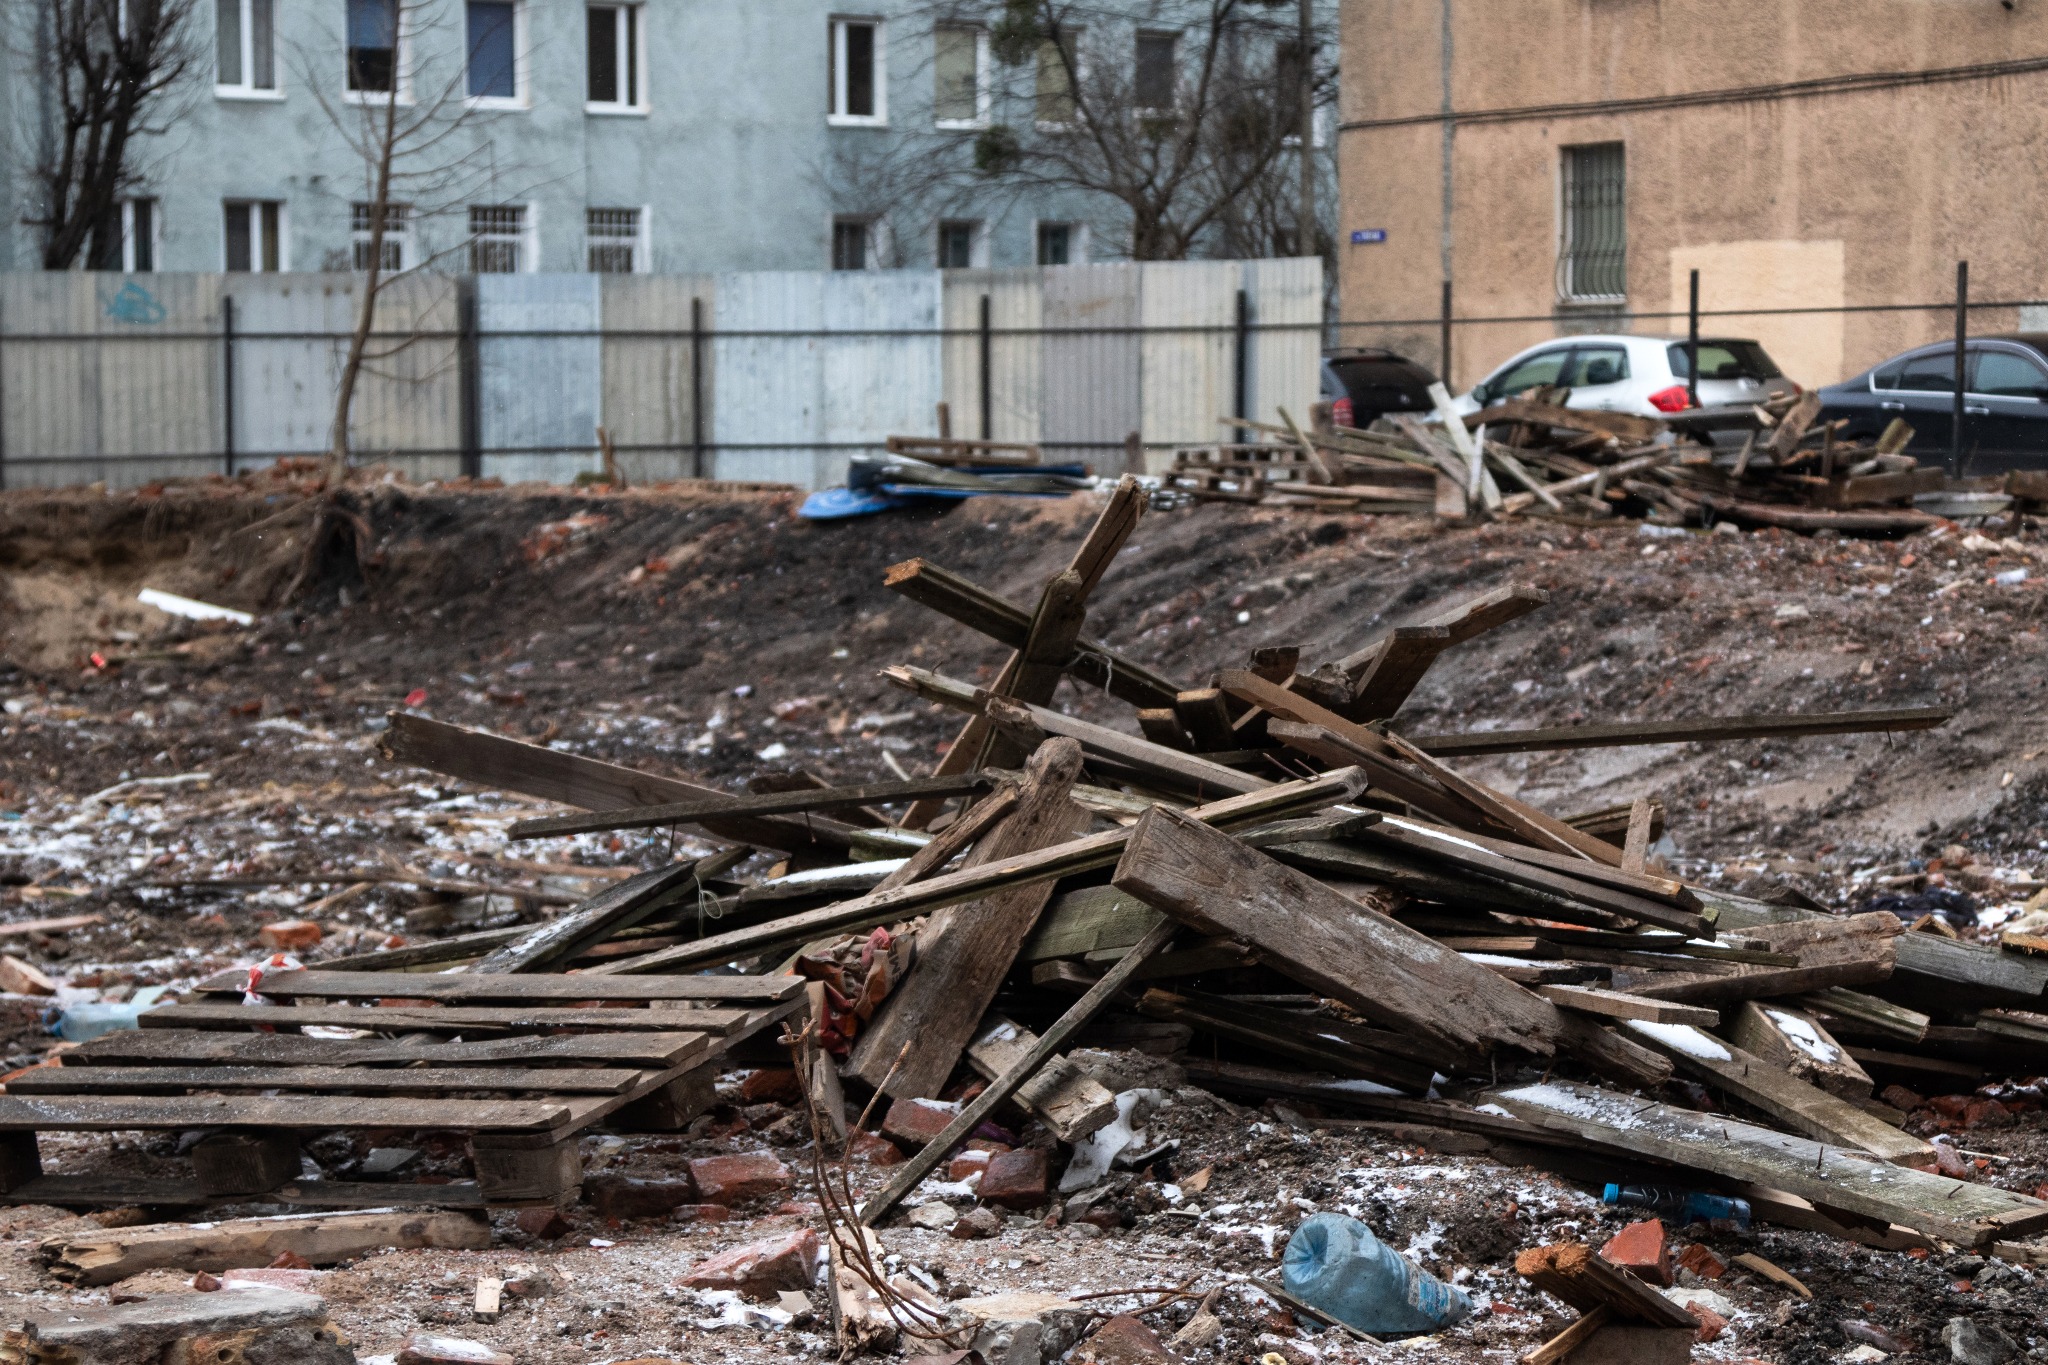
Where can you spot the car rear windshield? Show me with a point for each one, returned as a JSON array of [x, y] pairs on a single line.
[[1726, 360]]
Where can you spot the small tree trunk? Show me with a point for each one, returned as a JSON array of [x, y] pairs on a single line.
[[366, 312]]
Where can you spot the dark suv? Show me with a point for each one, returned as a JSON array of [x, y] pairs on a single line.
[[2005, 401], [1362, 385]]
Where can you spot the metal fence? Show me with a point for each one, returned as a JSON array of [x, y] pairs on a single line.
[[778, 376]]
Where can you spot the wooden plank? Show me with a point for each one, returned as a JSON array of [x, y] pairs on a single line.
[[1805, 1108], [1325, 1043], [463, 987], [167, 1047], [1395, 671], [97, 1256], [1709, 730], [536, 770], [1794, 1039], [1191, 772], [1968, 1214], [107, 1113], [1869, 1012], [58, 925], [1610, 1055], [767, 803], [1205, 715], [1616, 1005], [1050, 1044], [965, 950], [1337, 946], [1852, 951], [620, 906], [1050, 864], [143, 1080], [1063, 1097], [1463, 621], [1572, 1273], [1596, 422], [442, 1018], [1897, 486]]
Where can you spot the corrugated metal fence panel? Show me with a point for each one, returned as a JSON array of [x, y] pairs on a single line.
[[292, 339], [134, 398], [648, 403], [885, 377], [768, 390], [540, 395], [1286, 365], [1016, 368], [1093, 393], [1190, 372], [408, 406]]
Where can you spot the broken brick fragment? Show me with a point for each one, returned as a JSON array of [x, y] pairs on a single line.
[[1639, 1248], [874, 1150], [738, 1179], [1702, 1261], [1017, 1180], [1123, 1340], [771, 1086], [913, 1122], [546, 1223], [625, 1198], [290, 935], [763, 1269]]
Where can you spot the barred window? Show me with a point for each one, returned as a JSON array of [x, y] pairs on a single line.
[[1593, 257], [613, 241], [497, 239], [397, 236]]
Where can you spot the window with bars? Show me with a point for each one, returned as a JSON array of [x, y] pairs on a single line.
[[497, 239], [1592, 262], [395, 253], [614, 241], [614, 57], [245, 49]]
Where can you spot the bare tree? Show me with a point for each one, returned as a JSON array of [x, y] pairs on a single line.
[[105, 68], [1178, 121], [408, 120]]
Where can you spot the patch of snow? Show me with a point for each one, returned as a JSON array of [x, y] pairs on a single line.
[[1685, 1038], [1802, 1035]]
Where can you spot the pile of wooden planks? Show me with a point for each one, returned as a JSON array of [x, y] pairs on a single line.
[[1534, 455]]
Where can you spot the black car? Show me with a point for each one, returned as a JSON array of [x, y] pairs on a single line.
[[1363, 385], [2005, 401]]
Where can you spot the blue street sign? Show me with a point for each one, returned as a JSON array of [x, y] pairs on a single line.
[[1363, 236]]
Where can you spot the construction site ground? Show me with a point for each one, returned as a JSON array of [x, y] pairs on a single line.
[[711, 633]]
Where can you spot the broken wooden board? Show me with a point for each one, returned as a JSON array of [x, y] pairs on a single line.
[[1573, 1273], [1325, 1043], [1708, 730], [1854, 950], [1794, 1039], [107, 1113], [97, 1256], [362, 1080], [1063, 1097], [511, 989], [766, 803], [549, 946], [165, 1047], [536, 770], [1805, 1108], [965, 950], [1967, 1214], [1379, 967], [1617, 1005], [1597, 422], [442, 1018]]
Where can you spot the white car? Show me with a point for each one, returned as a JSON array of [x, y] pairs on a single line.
[[1640, 374]]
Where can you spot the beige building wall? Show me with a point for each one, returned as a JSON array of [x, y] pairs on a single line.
[[1852, 197]]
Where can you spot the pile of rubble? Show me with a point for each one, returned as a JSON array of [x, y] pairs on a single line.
[[1771, 464], [1303, 907]]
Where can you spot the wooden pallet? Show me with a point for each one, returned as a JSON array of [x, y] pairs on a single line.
[[522, 1064]]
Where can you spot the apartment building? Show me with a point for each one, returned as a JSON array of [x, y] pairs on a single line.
[[589, 135], [1571, 162]]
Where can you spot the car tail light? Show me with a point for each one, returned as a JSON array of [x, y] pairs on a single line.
[[1340, 412], [1673, 399]]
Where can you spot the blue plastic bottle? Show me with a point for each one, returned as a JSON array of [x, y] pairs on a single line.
[[1335, 1265], [1681, 1207]]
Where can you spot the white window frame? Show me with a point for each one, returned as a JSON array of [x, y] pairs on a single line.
[[521, 97], [529, 236], [401, 64], [284, 235], [643, 262], [244, 90], [156, 232], [977, 242], [637, 17], [401, 237], [984, 82], [837, 54], [1077, 240]]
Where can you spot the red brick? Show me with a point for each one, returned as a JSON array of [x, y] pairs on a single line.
[[975, 1224], [290, 935], [913, 1123], [760, 1270], [1898, 1097], [544, 1223], [1640, 1248], [771, 1086], [738, 1179], [1702, 1261], [625, 1198], [873, 1150], [1986, 1114], [1017, 1180], [1949, 1106], [966, 1164], [1712, 1324], [1123, 1340], [701, 1213]]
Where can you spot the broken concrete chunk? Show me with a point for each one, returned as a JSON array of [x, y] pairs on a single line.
[[977, 1224], [264, 1324], [1024, 1328], [1123, 1340], [761, 1270], [934, 1216]]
